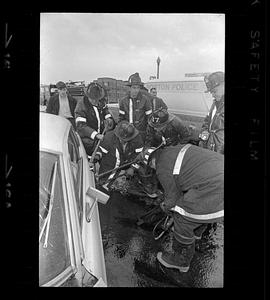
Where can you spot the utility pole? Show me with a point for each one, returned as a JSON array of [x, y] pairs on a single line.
[[158, 62]]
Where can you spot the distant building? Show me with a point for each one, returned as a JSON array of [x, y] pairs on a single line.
[[115, 89], [44, 94], [76, 89], [197, 74]]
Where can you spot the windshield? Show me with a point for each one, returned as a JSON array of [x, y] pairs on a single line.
[[54, 255]]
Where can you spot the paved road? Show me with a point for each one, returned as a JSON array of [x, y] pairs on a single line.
[[130, 251]]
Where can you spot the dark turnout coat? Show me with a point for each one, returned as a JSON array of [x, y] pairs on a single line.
[[193, 186], [112, 152], [135, 111], [214, 124], [156, 102], [90, 121], [174, 131]]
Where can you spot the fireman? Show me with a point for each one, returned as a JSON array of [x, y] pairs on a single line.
[[92, 115], [120, 146], [152, 96], [212, 131], [156, 101], [164, 124], [193, 182], [135, 107]]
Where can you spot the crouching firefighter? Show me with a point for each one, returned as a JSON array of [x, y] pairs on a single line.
[[118, 148], [164, 124], [192, 178]]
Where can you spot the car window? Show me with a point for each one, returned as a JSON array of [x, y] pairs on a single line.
[[55, 258]]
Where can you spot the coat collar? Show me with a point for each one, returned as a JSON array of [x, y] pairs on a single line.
[[139, 96]]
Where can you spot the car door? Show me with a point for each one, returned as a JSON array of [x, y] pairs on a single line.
[[87, 209], [56, 251]]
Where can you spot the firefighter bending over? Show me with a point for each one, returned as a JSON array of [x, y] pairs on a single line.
[[164, 124], [192, 179]]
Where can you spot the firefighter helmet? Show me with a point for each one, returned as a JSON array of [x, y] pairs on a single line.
[[126, 131], [213, 80], [159, 118], [95, 91], [135, 79]]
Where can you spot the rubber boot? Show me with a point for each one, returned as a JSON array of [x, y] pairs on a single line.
[[180, 257]]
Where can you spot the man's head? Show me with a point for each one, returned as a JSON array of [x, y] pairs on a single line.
[[94, 92], [153, 91], [135, 84], [126, 131], [215, 84], [62, 88]]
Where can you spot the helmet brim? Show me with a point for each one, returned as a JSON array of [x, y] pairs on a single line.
[[160, 126], [135, 133]]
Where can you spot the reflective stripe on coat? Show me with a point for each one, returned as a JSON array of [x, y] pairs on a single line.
[[197, 192]]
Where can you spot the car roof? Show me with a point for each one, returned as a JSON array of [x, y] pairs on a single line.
[[53, 132]]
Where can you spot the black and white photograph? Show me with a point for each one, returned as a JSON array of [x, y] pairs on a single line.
[[131, 184], [113, 155]]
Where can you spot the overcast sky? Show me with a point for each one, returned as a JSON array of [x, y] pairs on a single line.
[[85, 46]]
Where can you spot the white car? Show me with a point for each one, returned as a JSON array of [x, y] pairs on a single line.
[[70, 241]]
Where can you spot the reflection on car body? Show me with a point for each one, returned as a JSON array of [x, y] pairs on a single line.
[[70, 242]]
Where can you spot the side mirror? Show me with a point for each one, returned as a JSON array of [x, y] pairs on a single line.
[[98, 196]]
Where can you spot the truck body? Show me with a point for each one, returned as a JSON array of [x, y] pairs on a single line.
[[185, 98], [76, 89]]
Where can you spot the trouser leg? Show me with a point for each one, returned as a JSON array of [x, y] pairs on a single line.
[[184, 229]]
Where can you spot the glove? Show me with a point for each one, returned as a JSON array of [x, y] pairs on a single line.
[[164, 208], [204, 135], [99, 136], [96, 158], [109, 123], [140, 156], [130, 172]]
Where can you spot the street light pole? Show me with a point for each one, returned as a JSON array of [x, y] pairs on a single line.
[[158, 62]]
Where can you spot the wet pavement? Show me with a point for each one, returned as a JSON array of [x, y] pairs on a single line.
[[130, 250]]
